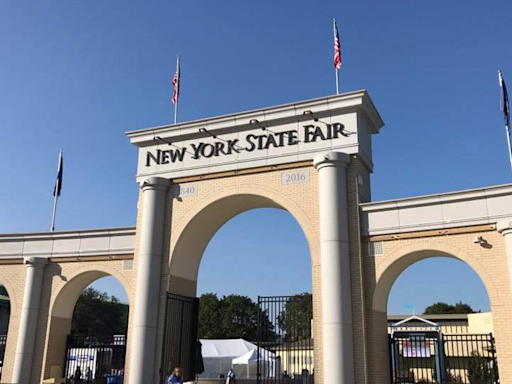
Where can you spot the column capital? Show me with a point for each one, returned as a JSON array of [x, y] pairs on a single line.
[[155, 183], [35, 261], [504, 226], [331, 159]]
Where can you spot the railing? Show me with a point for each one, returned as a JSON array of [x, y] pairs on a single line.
[[98, 360], [3, 343], [429, 358], [285, 342]]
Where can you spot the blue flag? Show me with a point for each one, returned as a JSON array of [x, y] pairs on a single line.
[[58, 182], [504, 102]]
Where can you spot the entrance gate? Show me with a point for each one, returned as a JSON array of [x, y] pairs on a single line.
[[104, 357], [3, 343], [285, 339], [180, 337], [431, 357]]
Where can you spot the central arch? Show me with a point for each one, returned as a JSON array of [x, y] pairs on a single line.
[[201, 222], [193, 230]]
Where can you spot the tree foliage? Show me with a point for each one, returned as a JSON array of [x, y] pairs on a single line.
[[231, 317], [441, 308], [295, 319], [479, 370], [99, 314]]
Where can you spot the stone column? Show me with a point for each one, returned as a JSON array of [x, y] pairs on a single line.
[[29, 317], [505, 228], [335, 270], [147, 291]]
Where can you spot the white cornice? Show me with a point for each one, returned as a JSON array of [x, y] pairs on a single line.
[[80, 243], [471, 207]]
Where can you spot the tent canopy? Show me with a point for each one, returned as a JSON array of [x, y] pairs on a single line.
[[252, 356], [226, 348]]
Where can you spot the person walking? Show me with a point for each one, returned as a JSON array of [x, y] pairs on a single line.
[[88, 375], [231, 377], [77, 376], [175, 377]]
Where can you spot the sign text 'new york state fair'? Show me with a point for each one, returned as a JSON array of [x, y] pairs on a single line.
[[252, 142]]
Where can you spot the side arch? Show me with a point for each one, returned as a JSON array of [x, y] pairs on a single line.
[[64, 302], [393, 265], [62, 307], [11, 292]]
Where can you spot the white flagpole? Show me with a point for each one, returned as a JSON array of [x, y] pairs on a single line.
[[55, 198], [335, 69], [507, 128], [178, 91]]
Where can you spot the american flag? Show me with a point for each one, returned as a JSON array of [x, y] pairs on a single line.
[[337, 48], [176, 83]]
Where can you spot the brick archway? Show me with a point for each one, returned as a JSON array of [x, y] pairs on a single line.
[[63, 304], [395, 263]]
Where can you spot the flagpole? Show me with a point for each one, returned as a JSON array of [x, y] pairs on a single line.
[[56, 195], [337, 82], [335, 69], [177, 98]]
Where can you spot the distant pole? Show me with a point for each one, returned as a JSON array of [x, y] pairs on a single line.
[[56, 191], [507, 128], [177, 88], [337, 55], [54, 212], [337, 82]]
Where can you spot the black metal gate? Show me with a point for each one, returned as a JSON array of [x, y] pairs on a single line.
[[95, 360], [3, 343], [285, 342], [431, 357], [180, 337]]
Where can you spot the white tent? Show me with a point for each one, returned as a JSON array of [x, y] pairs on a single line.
[[219, 354], [246, 366]]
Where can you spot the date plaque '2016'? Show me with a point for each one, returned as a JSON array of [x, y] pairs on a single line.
[[295, 177]]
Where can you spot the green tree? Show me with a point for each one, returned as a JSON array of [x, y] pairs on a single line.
[[479, 371], [441, 308], [231, 317], [99, 314], [239, 317], [209, 317], [295, 319]]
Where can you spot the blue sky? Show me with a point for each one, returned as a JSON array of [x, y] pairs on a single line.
[[78, 74]]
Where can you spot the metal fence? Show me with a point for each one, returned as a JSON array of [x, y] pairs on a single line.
[[285, 342], [435, 358], [95, 360], [3, 343], [180, 337]]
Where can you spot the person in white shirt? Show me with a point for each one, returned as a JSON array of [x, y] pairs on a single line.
[[231, 377]]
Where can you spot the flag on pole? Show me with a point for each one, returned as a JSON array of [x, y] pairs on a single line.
[[337, 48], [504, 102], [58, 182], [56, 189], [505, 108], [176, 83]]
